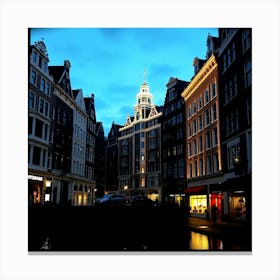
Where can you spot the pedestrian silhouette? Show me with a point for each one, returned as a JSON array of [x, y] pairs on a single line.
[[214, 214]]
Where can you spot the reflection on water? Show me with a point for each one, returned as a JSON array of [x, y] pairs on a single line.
[[200, 241]]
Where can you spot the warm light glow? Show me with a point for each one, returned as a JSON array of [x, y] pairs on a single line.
[[143, 182], [35, 178], [125, 188], [198, 203], [48, 183], [80, 199], [199, 241]]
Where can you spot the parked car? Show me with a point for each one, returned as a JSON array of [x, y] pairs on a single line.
[[111, 200], [141, 201]]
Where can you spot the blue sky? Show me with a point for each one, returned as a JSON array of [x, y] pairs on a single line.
[[110, 62]]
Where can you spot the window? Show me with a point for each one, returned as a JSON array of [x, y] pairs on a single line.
[[235, 91], [142, 182], [180, 150], [179, 133], [142, 169], [233, 52], [190, 170], [207, 117], [206, 96], [189, 112], [200, 122], [44, 107], [214, 112], [31, 100], [213, 91], [181, 168], [208, 140], [45, 66], [215, 136], [209, 164], [200, 143], [194, 147], [47, 88], [200, 102], [175, 170], [216, 162], [195, 168], [194, 126], [36, 155], [189, 130], [33, 77], [42, 85], [248, 73], [190, 149], [232, 122], [233, 153], [172, 94], [39, 128], [194, 108], [30, 125], [201, 169], [34, 57], [246, 36]]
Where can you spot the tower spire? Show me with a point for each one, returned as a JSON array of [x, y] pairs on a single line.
[[145, 75]]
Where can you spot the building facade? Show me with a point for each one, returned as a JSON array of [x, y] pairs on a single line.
[[100, 160], [40, 91], [203, 143], [173, 144], [235, 83], [90, 165], [112, 159], [140, 149]]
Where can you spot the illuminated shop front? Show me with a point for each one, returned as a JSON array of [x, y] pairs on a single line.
[[82, 195], [237, 205], [35, 189], [198, 204]]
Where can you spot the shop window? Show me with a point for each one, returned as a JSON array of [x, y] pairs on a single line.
[[198, 204]]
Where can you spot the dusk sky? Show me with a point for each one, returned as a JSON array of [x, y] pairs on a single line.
[[110, 62]]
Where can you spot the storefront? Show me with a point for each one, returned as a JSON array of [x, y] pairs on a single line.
[[35, 189], [237, 205]]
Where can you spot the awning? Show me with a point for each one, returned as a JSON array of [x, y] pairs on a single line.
[[196, 189]]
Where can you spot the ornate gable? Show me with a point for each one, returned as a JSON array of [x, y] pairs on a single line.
[[153, 112], [128, 121]]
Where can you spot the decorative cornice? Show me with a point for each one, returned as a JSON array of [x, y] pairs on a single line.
[[203, 73]]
